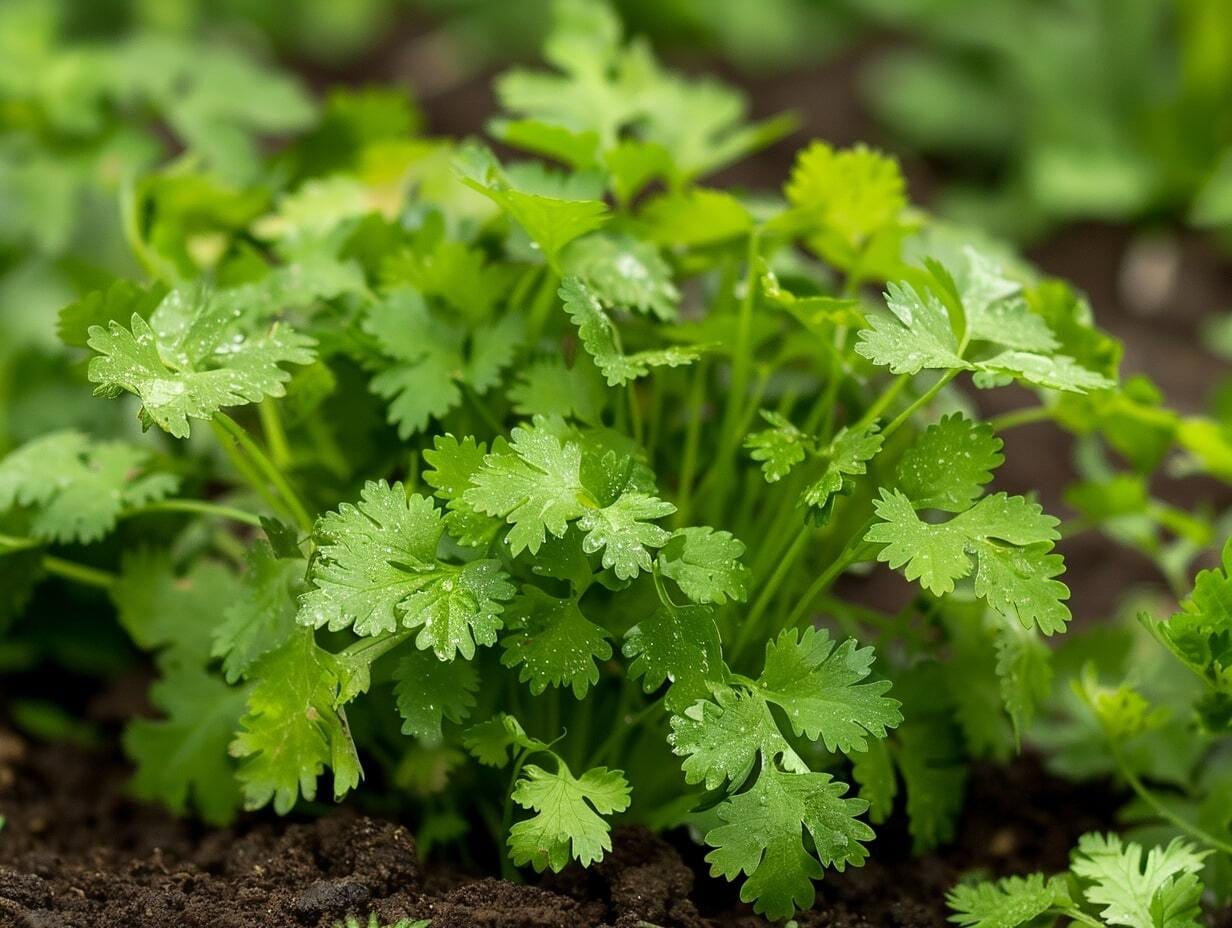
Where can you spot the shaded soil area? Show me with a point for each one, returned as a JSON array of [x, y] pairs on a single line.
[[75, 852]]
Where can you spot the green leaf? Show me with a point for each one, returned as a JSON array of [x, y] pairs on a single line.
[[262, 617], [602, 341], [680, 645], [492, 741], [1054, 373], [181, 758], [948, 466], [626, 272], [779, 448], [1161, 892], [847, 456], [428, 691], [422, 382], [170, 613], [551, 222], [1010, 539], [578, 150], [996, 309], [873, 770], [623, 532], [1006, 903], [1025, 670], [377, 570], [1200, 634], [553, 643], [847, 195], [536, 486], [460, 611], [705, 564], [194, 357], [567, 824], [934, 772], [547, 387], [818, 685], [695, 217], [121, 300], [451, 465], [721, 740], [632, 164], [77, 489], [294, 728], [918, 336], [763, 837]]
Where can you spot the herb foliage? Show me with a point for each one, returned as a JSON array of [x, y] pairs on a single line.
[[544, 488]]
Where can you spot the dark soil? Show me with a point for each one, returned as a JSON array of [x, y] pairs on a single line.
[[76, 853]]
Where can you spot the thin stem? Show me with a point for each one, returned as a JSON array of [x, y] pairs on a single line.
[[1025, 416], [885, 399], [784, 566], [79, 573], [744, 329], [541, 308], [151, 261], [847, 557], [635, 412], [1143, 793], [508, 871], [245, 468], [1076, 914], [267, 469], [372, 649], [197, 506], [15, 543], [481, 409], [692, 441], [275, 434], [921, 401], [621, 731]]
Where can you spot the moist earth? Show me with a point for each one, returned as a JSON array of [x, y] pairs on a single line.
[[76, 852]]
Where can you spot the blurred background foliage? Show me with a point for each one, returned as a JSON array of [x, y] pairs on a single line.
[[1030, 118]]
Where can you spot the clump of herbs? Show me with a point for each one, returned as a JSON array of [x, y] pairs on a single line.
[[533, 490]]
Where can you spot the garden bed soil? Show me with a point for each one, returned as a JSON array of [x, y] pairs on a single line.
[[75, 852]]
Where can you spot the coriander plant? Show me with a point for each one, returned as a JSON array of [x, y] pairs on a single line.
[[535, 492]]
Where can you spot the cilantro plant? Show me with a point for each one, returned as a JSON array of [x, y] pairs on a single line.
[[1110, 883], [538, 493]]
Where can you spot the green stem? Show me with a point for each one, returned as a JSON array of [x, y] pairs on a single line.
[[621, 731], [372, 649], [151, 261], [635, 413], [275, 434], [1017, 417], [847, 557], [245, 469], [742, 358], [16, 543], [1143, 793], [267, 469], [921, 401], [481, 409], [1076, 914], [197, 506], [508, 870], [541, 308], [692, 441], [79, 573], [770, 587]]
